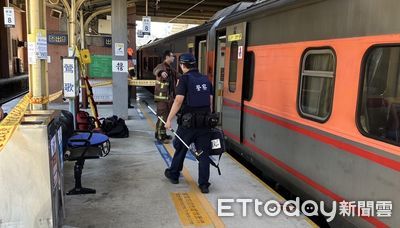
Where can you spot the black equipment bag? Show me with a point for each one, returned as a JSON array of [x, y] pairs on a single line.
[[66, 121], [115, 127], [218, 146]]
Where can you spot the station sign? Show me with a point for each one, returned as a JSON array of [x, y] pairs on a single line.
[[70, 76], [107, 41], [57, 39], [9, 17], [146, 21]]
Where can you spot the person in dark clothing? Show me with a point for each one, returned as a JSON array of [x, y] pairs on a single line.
[[131, 71], [193, 100], [164, 92]]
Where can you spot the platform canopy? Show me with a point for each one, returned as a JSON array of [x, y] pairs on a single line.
[[188, 11]]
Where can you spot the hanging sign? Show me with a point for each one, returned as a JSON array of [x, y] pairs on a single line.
[[146, 25], [9, 17], [70, 76]]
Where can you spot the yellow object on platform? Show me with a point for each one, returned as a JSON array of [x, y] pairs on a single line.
[[132, 82], [13, 119], [11, 122], [44, 100], [85, 56], [105, 83], [135, 82], [189, 209]]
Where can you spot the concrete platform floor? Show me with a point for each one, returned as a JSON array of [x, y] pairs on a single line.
[[133, 192]]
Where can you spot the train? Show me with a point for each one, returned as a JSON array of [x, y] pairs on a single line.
[[11, 88], [309, 93]]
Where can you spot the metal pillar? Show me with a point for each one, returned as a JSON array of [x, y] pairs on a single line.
[[119, 35], [71, 50], [84, 71], [132, 41], [38, 79]]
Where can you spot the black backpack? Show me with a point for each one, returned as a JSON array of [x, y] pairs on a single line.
[[218, 146], [115, 127]]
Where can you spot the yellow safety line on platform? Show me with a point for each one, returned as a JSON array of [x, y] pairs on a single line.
[[218, 223], [189, 209]]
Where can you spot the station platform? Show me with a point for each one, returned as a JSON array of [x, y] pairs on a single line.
[[133, 192]]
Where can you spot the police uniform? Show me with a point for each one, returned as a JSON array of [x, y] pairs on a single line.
[[164, 94], [197, 89]]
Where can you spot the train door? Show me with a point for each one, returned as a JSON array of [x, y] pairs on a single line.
[[232, 107], [219, 74]]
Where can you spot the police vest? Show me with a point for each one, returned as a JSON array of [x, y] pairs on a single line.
[[198, 90]]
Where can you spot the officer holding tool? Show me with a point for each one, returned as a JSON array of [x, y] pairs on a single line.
[[193, 101]]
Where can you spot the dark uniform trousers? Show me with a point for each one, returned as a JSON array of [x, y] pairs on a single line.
[[201, 138], [163, 109]]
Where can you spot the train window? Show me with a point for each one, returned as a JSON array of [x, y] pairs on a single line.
[[248, 80], [145, 64], [316, 84], [379, 99], [233, 66], [151, 63]]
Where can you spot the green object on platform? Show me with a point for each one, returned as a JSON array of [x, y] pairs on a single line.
[[100, 66]]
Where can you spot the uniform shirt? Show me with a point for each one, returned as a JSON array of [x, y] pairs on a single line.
[[183, 89]]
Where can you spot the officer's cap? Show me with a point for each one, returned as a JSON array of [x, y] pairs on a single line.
[[187, 58]]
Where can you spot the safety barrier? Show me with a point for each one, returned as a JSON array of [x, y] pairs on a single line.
[[131, 82], [13, 119]]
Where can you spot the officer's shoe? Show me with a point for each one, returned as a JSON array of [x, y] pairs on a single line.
[[204, 188], [167, 174]]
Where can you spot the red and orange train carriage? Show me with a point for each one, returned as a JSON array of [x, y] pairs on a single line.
[[309, 92]]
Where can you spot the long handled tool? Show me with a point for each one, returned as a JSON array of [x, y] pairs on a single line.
[[196, 152]]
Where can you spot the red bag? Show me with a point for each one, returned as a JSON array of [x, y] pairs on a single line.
[[84, 121]]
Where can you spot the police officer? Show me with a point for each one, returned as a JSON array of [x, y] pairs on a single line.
[[193, 101], [164, 92]]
